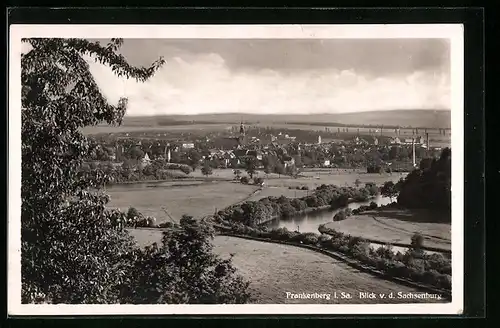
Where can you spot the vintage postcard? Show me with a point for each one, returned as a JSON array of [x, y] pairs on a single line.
[[238, 169]]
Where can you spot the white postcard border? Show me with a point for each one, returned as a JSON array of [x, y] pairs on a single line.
[[454, 32]]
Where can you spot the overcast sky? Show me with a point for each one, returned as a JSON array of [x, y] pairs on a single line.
[[283, 76]]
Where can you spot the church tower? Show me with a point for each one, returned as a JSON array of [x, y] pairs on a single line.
[[242, 130], [242, 136]]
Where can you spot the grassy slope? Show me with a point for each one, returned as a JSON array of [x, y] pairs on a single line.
[[275, 269], [396, 226]]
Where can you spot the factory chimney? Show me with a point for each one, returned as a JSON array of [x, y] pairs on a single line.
[[427, 141], [413, 151]]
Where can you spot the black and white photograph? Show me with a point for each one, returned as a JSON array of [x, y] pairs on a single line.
[[243, 169]]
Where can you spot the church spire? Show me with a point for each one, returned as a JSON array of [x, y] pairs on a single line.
[[242, 129]]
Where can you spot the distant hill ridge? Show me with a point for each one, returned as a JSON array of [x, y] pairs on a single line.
[[403, 118]]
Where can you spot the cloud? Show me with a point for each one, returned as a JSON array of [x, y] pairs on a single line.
[[203, 83]]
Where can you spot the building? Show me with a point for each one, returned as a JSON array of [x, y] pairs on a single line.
[[395, 141], [146, 160], [242, 138], [289, 162], [189, 145]]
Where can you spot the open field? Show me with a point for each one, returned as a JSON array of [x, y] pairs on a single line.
[[198, 198], [195, 200], [275, 269], [310, 177], [229, 174], [340, 178], [397, 226], [277, 192]]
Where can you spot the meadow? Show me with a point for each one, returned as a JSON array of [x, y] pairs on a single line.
[[275, 269], [196, 200], [315, 178], [398, 226], [200, 198]]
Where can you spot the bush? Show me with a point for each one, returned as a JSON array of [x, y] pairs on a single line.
[[244, 180], [305, 188], [353, 241], [258, 180], [417, 241], [361, 250], [185, 169], [309, 238], [166, 224], [385, 252], [287, 210], [133, 214], [373, 205], [324, 239], [341, 215]]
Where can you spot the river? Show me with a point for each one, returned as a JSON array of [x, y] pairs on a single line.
[[311, 221]]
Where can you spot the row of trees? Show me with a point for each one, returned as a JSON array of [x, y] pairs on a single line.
[[253, 213], [130, 171], [71, 250]]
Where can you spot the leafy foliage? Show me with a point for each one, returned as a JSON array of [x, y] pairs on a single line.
[[251, 166], [389, 190], [206, 169], [183, 269], [74, 249], [255, 212], [70, 251]]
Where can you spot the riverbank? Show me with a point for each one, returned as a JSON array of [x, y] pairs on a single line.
[[319, 209], [306, 211], [396, 227], [331, 232]]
